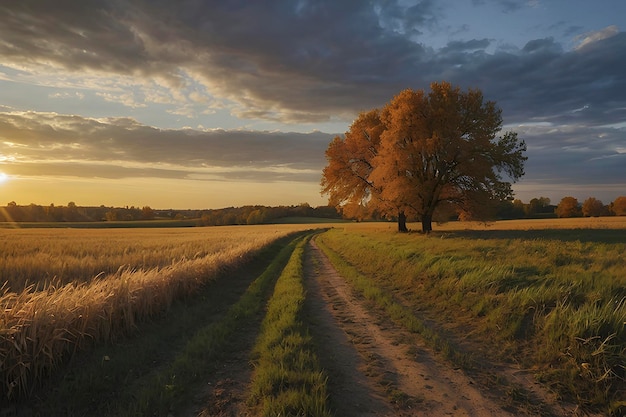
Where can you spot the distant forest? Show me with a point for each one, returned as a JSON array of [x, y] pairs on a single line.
[[516, 209], [208, 217]]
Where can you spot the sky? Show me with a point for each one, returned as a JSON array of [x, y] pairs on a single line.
[[209, 104]]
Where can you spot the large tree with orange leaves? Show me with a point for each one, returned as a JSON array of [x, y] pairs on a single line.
[[346, 178], [429, 152]]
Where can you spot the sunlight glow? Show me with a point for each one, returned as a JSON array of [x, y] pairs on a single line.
[[3, 177]]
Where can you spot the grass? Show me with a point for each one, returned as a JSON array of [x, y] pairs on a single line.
[[385, 300], [42, 257], [44, 324], [168, 388], [551, 297], [110, 379], [307, 220], [552, 300], [288, 380]]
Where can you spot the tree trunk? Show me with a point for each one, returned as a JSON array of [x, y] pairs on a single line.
[[427, 223], [402, 222]]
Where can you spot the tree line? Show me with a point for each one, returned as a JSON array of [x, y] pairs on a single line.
[[257, 214], [539, 207], [13, 212], [567, 207]]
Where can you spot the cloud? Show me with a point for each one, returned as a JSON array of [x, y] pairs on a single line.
[[276, 62], [574, 155], [298, 62], [56, 144], [292, 62], [66, 95], [591, 37], [462, 46], [50, 144], [127, 99]]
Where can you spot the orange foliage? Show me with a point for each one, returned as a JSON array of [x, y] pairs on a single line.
[[568, 207], [618, 207], [346, 177], [422, 152]]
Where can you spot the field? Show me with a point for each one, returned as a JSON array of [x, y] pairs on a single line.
[[143, 319]]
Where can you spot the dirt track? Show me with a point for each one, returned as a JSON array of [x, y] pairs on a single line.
[[374, 367], [394, 374]]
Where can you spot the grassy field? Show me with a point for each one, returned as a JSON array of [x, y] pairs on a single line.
[[288, 379], [549, 294]]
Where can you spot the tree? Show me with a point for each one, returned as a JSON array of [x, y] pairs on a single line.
[[538, 205], [423, 153], [147, 213], [441, 150], [592, 207], [111, 215], [568, 207], [511, 209], [346, 178], [618, 207]]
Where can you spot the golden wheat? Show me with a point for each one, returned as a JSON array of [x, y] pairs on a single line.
[[41, 324]]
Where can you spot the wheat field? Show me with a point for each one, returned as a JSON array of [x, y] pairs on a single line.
[[65, 289]]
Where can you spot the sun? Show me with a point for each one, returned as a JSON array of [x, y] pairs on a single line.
[[3, 177]]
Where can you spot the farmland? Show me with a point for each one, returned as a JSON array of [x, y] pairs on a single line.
[[143, 318]]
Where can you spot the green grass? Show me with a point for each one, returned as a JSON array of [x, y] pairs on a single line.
[[168, 388], [399, 313], [555, 303], [288, 380], [156, 371]]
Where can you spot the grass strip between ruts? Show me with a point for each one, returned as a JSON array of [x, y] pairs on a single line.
[[288, 379], [169, 387]]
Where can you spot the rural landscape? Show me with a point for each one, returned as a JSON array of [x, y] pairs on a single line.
[[337, 310], [312, 208], [518, 317]]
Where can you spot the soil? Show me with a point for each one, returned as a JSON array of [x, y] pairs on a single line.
[[376, 368], [394, 367]]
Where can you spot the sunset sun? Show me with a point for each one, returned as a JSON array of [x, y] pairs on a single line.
[[3, 177]]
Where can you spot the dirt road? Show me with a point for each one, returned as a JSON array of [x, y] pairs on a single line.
[[375, 367]]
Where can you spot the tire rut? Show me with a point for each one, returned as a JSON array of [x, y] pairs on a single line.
[[375, 367]]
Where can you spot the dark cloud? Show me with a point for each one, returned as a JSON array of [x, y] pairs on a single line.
[[307, 61], [542, 81], [121, 148], [576, 155], [302, 61], [462, 46]]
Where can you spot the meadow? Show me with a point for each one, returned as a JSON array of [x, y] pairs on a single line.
[[548, 295]]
